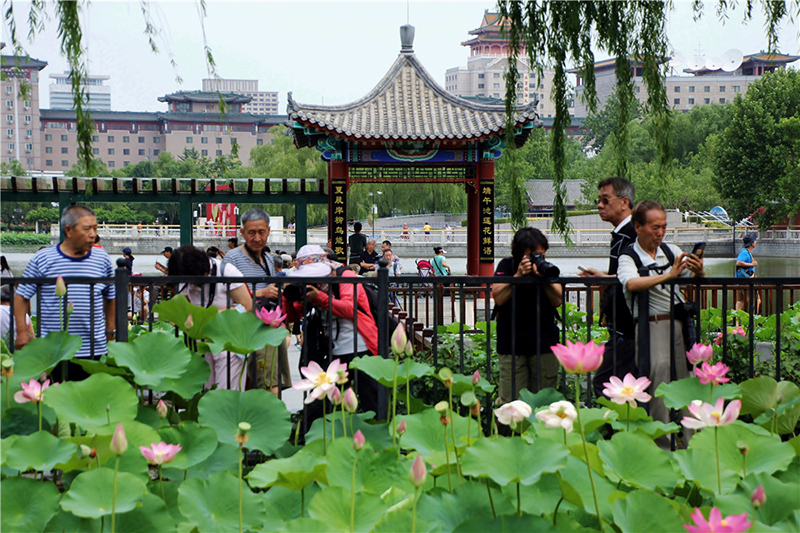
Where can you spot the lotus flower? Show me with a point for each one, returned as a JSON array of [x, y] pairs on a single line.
[[476, 377], [161, 409], [714, 374], [699, 353], [579, 358], [399, 340], [707, 415], [350, 401], [335, 396], [273, 319], [70, 308], [401, 427], [513, 413], [559, 415], [318, 381], [342, 374], [409, 349], [739, 330], [161, 453], [358, 440], [418, 472], [189, 324], [758, 498], [735, 523], [33, 391], [629, 389], [119, 442], [61, 287]]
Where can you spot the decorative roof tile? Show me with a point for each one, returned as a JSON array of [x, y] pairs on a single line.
[[407, 104]]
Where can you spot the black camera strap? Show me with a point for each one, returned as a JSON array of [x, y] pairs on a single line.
[[255, 257]]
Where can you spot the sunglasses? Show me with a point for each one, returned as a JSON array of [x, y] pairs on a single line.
[[606, 200]]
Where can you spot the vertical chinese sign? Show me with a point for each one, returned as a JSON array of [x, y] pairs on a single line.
[[339, 218], [486, 199]]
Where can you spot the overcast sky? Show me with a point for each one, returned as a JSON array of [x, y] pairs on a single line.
[[336, 51]]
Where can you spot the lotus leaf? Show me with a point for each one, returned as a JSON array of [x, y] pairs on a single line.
[[468, 501], [27, 504], [198, 443], [152, 357], [643, 510], [293, 473], [95, 402], [223, 410], [332, 506], [679, 394], [191, 382], [425, 432], [213, 505], [506, 524], [375, 472], [91, 493], [639, 462], [382, 370], [40, 451], [176, 310], [513, 460], [241, 332], [377, 434]]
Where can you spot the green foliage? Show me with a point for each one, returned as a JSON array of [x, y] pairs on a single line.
[[27, 504], [22, 239]]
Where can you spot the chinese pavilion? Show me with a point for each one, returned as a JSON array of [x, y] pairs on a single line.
[[409, 129]]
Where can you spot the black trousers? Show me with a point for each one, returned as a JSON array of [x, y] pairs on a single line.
[[625, 362]]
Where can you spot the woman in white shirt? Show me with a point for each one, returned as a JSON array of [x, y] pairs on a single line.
[[191, 261]]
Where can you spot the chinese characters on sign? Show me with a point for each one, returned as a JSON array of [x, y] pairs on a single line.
[[486, 199], [411, 172], [339, 217]]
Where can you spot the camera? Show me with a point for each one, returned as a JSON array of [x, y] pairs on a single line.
[[295, 292], [547, 270]]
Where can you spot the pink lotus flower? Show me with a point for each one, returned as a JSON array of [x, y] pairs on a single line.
[[273, 319], [718, 340], [350, 401], [70, 308], [61, 287], [318, 381], [629, 389], [559, 415], [758, 498], [33, 391], [735, 523], [399, 340], [418, 472], [579, 358], [358, 440], [714, 374], [161, 409], [476, 377], [513, 413], [119, 442], [739, 330], [161, 453], [401, 427], [335, 396], [707, 415], [699, 353], [409, 349]]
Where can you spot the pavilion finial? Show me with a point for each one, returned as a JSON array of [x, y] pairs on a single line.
[[406, 39]]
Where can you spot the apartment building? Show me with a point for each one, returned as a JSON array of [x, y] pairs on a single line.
[[20, 132], [98, 94], [699, 87], [261, 103], [489, 61]]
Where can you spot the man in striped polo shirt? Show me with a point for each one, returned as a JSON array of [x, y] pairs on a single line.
[[75, 256]]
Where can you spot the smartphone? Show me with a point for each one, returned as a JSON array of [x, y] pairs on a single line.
[[699, 249], [582, 268]]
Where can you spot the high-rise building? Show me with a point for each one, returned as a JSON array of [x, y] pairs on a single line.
[[262, 103], [488, 62], [701, 86], [19, 87], [98, 95]]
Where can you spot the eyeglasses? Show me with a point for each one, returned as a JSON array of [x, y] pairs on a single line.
[[606, 199]]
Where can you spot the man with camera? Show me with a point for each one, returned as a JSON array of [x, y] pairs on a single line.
[[614, 203], [650, 221], [526, 316], [252, 259]]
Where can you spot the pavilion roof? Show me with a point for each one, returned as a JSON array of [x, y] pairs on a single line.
[[406, 105]]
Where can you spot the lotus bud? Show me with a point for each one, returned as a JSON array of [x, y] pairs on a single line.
[[475, 410], [70, 308], [358, 441], [409, 349], [742, 446], [350, 401], [61, 287], [7, 367], [401, 427], [418, 472], [189, 324], [399, 340], [119, 442], [335, 396], [161, 409], [241, 434], [758, 498], [476, 377]]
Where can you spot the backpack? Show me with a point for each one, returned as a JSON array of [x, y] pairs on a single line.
[[372, 297], [316, 343]]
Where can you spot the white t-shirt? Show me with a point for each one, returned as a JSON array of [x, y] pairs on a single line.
[[200, 296], [659, 295]]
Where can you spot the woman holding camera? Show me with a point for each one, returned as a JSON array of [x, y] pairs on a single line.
[[191, 261], [526, 316]]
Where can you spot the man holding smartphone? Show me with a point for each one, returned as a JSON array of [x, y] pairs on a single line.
[[614, 203]]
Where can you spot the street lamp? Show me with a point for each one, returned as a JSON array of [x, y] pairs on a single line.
[[374, 209]]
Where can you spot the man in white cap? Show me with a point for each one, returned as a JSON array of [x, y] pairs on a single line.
[[348, 341]]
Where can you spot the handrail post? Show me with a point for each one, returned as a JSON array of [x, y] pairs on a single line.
[[121, 282], [382, 322]]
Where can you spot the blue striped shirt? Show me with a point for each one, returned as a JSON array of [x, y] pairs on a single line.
[[52, 262]]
